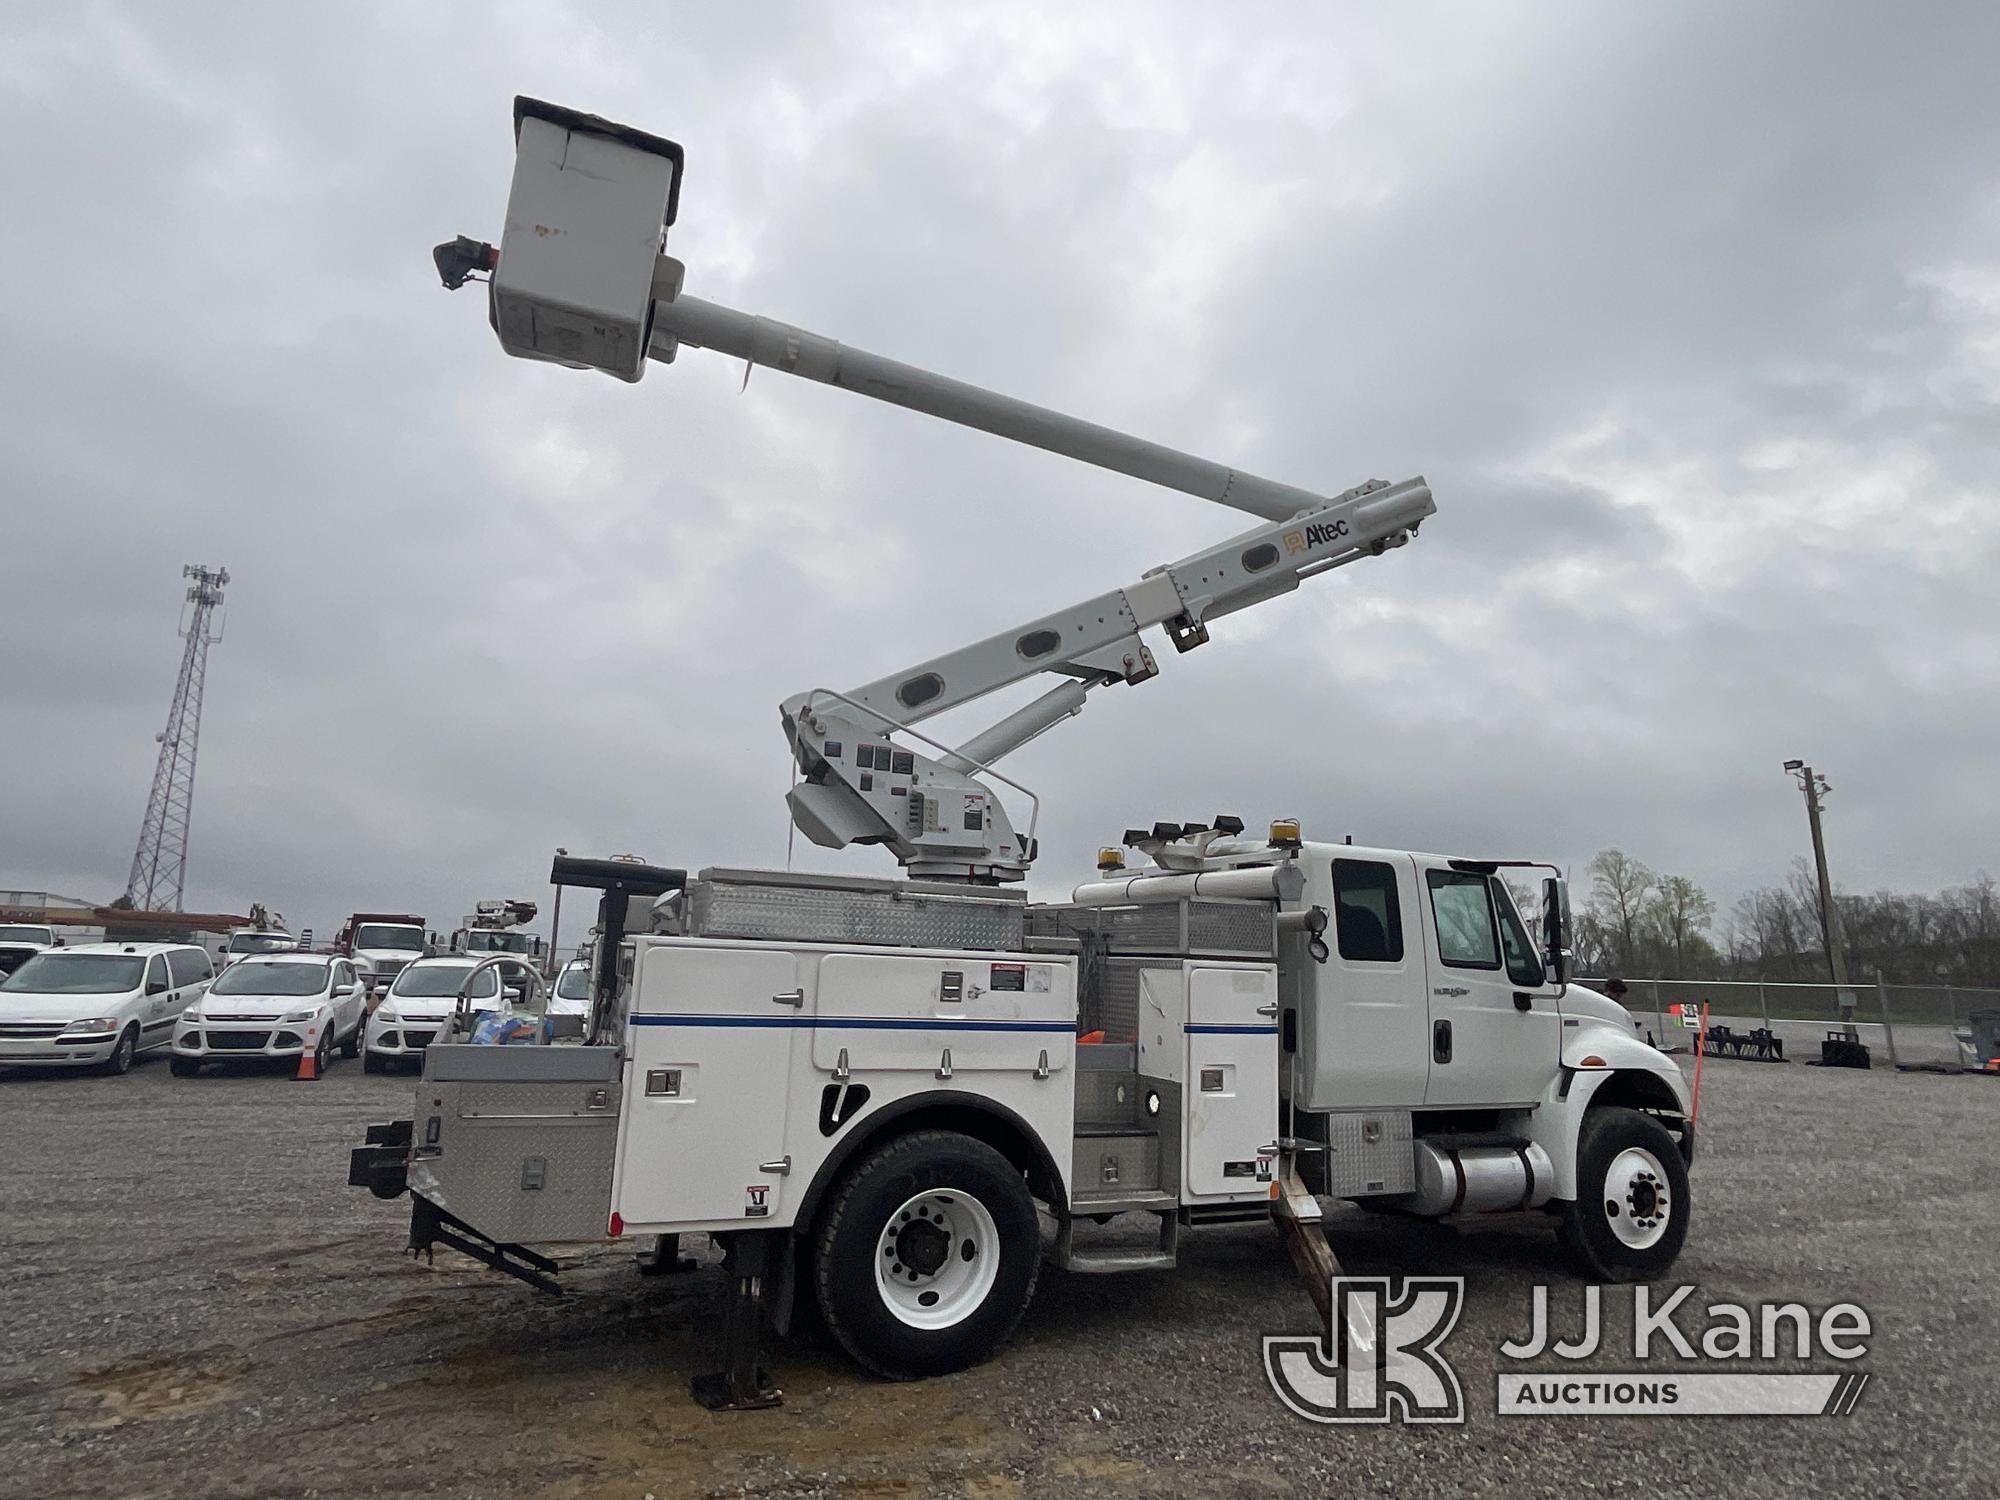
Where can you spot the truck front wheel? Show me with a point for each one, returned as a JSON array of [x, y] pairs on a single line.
[[1630, 1216], [927, 1255]]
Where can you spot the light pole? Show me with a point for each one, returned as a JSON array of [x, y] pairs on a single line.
[[1815, 787], [555, 929]]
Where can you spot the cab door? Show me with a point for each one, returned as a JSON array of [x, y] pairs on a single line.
[[1496, 1031], [1364, 1027]]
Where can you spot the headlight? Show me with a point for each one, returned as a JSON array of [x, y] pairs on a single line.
[[192, 1014], [300, 1015], [386, 1011], [101, 1026]]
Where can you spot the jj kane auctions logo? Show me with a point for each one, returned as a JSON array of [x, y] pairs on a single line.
[[1381, 1359]]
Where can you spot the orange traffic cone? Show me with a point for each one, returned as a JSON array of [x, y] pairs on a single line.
[[309, 1060]]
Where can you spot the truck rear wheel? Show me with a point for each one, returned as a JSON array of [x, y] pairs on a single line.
[[926, 1258], [1630, 1217]]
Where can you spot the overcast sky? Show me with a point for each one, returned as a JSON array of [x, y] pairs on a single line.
[[1690, 315]]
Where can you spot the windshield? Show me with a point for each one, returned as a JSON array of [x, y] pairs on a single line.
[[438, 981], [574, 985], [77, 974], [496, 942], [259, 942], [371, 936], [271, 979], [20, 932]]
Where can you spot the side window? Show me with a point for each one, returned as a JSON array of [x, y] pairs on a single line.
[[1524, 964], [343, 973], [1367, 916], [156, 971], [1464, 911], [186, 966]]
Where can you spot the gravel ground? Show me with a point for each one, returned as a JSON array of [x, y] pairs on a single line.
[[198, 1305]]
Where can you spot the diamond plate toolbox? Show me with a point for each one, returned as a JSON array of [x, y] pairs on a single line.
[[773, 906]]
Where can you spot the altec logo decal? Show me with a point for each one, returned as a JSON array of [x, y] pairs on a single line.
[[1382, 1360], [1316, 535]]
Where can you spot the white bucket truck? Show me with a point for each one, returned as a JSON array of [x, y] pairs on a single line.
[[869, 1091]]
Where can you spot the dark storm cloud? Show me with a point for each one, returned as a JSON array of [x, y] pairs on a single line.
[[1692, 319]]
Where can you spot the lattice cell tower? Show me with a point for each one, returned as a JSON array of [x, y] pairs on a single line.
[[159, 868]]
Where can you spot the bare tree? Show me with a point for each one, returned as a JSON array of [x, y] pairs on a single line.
[[1680, 913], [1619, 885]]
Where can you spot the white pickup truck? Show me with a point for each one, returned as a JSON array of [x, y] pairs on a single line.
[[21, 941]]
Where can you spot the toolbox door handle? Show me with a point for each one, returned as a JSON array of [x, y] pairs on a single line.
[[789, 997]]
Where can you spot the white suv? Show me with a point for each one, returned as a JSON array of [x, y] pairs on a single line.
[[422, 994], [98, 1004], [273, 1005]]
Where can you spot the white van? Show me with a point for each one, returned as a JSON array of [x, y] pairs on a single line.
[[98, 1004]]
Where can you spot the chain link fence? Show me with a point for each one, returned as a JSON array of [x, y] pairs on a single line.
[[1904, 1025]]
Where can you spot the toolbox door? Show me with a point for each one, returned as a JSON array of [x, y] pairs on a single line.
[[1231, 1086], [710, 1042]]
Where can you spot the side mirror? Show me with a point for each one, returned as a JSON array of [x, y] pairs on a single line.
[[60, 943], [156, 986], [343, 989], [1555, 929]]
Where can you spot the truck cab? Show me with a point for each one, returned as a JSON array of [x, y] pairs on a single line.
[[21, 941], [244, 942], [381, 943], [498, 927], [1427, 1004]]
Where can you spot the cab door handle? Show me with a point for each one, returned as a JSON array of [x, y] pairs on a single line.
[[1268, 1010], [1441, 1042]]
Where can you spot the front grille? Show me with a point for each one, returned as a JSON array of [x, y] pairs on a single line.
[[30, 1031], [418, 1038], [238, 1041]]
